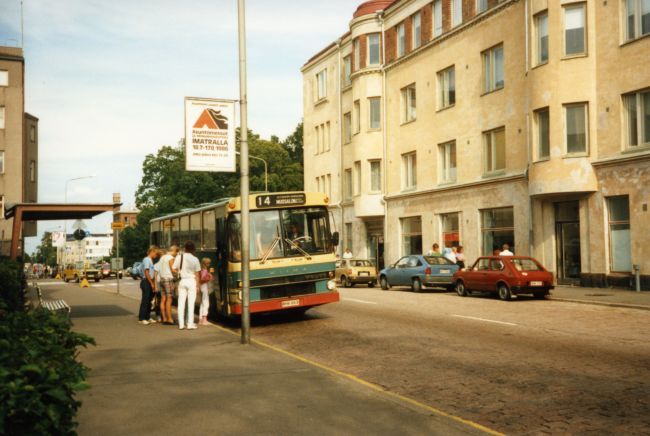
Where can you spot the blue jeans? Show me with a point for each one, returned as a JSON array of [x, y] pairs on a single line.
[[145, 303]]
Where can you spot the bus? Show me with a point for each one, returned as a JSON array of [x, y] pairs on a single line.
[[292, 258]]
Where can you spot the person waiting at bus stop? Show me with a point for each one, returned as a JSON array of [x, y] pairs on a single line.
[[147, 286], [189, 267]]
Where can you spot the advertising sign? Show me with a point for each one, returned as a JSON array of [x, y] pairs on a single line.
[[58, 239], [209, 135]]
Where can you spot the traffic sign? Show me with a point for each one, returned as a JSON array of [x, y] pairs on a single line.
[[117, 263], [117, 225]]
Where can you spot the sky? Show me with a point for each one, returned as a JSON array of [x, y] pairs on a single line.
[[107, 79]]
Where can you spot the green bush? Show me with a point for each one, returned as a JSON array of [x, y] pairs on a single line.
[[39, 372], [11, 286]]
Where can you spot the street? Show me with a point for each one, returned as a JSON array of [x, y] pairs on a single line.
[[519, 367]]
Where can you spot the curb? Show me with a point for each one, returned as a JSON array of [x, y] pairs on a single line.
[[601, 303]]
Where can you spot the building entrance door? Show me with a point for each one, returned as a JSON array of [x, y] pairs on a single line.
[[376, 250], [567, 239]]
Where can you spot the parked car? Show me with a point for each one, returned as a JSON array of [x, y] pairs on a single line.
[[107, 271], [133, 270], [419, 272], [349, 272], [505, 275], [78, 272]]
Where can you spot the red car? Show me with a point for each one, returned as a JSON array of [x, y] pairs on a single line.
[[505, 275]]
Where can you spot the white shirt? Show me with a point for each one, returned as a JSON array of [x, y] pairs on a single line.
[[347, 255], [165, 271], [506, 253], [156, 269], [191, 265]]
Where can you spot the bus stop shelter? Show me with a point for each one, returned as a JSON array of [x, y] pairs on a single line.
[[22, 212]]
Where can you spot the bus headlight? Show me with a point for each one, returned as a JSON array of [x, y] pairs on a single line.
[[331, 285]]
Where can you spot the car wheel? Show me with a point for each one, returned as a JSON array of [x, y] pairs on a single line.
[[65, 279], [76, 279], [504, 292], [384, 283], [461, 290], [371, 284], [97, 279], [416, 285], [134, 277], [540, 295], [348, 283]]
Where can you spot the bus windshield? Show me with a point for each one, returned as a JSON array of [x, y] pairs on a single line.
[[281, 233]]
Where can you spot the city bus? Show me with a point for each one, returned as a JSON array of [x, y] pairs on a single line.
[[292, 258]]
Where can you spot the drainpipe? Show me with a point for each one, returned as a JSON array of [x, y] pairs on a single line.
[[531, 232], [384, 98], [340, 124], [636, 268]]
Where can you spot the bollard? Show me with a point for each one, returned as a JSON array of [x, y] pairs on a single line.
[[637, 276]]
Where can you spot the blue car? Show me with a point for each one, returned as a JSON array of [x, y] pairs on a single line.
[[418, 272]]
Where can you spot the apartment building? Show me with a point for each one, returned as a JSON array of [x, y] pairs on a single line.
[[126, 214], [18, 144], [90, 250], [524, 122]]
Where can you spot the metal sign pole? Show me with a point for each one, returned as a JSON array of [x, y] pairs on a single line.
[[243, 167], [117, 248]]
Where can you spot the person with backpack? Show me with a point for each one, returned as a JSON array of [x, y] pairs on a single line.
[[189, 267], [147, 286]]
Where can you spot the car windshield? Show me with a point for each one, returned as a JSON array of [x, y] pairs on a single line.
[[525, 265], [360, 263], [437, 260]]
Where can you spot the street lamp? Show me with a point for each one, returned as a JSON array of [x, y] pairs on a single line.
[[266, 171]]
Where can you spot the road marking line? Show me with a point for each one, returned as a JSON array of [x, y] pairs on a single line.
[[48, 283], [485, 320], [358, 301], [367, 384]]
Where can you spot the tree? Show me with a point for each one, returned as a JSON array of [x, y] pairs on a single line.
[[45, 253], [294, 144]]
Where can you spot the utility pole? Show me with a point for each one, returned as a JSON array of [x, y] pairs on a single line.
[[117, 270], [243, 167]]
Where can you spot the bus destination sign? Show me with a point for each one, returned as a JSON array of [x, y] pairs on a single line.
[[275, 200]]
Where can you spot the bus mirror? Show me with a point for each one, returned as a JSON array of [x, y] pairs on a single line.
[[335, 239]]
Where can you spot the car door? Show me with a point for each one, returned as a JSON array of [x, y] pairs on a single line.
[[478, 275], [340, 267], [494, 275], [398, 273]]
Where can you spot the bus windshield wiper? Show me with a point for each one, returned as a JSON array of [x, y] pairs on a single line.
[[297, 247], [267, 253]]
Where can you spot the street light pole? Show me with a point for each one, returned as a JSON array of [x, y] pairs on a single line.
[[243, 166], [266, 171]]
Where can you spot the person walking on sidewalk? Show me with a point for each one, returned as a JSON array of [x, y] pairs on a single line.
[[188, 266], [167, 285], [206, 278], [147, 286]]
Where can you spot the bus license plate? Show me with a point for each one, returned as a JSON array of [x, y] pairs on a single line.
[[291, 303], [536, 283]]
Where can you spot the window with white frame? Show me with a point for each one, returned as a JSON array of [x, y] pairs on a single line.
[[637, 18], [357, 54], [637, 114], [450, 224], [495, 149], [321, 81], [416, 28], [411, 235], [357, 178], [576, 128], [437, 18], [327, 136], [409, 171], [541, 36], [447, 155], [347, 184], [401, 40], [347, 70], [32, 171], [347, 127], [493, 77], [357, 116], [620, 248], [542, 123], [318, 144], [446, 88], [574, 29], [374, 111], [373, 49], [456, 12], [375, 175], [4, 78], [2, 117], [481, 6], [2, 162], [408, 103]]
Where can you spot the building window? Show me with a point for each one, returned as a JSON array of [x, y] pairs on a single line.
[[450, 229], [541, 30], [347, 127], [318, 184], [347, 71], [373, 49], [437, 18], [357, 178], [401, 40], [32, 133], [495, 150], [2, 162], [326, 136], [481, 6], [321, 79], [574, 30], [408, 103], [456, 12], [637, 111], [32, 171], [493, 78], [2, 117], [416, 26], [374, 105], [447, 153], [637, 18], [2, 212], [4, 78], [543, 133], [497, 228], [576, 128], [357, 116], [375, 175], [348, 236], [357, 54], [317, 134], [347, 182], [411, 235], [409, 171], [328, 179], [446, 88], [620, 250]]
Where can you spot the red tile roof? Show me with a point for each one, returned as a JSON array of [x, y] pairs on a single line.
[[372, 6]]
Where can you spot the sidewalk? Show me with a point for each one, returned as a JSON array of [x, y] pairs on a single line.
[[602, 296], [160, 380]]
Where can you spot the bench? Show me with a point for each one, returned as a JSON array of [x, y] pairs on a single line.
[[53, 305]]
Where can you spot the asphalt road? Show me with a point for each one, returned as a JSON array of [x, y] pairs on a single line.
[[520, 367]]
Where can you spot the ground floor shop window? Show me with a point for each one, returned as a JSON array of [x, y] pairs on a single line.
[[450, 229], [411, 236], [497, 228], [620, 252]]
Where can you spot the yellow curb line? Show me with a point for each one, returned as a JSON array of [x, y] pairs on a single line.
[[369, 384]]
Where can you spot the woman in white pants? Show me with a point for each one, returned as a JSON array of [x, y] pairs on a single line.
[[189, 267], [206, 278]]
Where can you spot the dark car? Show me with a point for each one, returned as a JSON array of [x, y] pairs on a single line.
[[505, 275], [418, 272]]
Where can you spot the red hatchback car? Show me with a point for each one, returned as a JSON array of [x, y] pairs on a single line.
[[505, 275]]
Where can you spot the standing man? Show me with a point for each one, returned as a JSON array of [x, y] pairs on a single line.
[[147, 286], [189, 267], [506, 251], [347, 254], [167, 284]]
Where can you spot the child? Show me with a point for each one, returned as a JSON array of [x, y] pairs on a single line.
[[205, 278]]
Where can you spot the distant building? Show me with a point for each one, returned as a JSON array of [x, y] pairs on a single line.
[[126, 214], [18, 144], [91, 249]]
